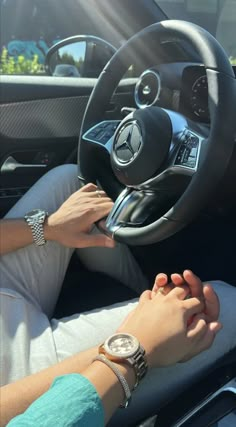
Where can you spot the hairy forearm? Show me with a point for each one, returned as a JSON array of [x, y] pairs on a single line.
[[14, 234], [16, 397]]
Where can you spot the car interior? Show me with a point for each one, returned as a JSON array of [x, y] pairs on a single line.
[[148, 115]]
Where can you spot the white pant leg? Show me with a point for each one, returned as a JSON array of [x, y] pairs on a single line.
[[26, 340], [37, 273], [117, 262], [77, 333]]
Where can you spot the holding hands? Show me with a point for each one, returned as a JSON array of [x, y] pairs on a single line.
[[175, 321]]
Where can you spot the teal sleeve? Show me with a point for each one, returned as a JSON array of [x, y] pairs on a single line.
[[71, 401]]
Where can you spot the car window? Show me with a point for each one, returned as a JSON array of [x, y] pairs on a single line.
[[30, 27], [216, 16]]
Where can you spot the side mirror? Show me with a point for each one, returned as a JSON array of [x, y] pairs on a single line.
[[78, 56]]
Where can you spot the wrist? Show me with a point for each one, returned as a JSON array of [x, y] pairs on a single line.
[[144, 343], [128, 373], [125, 369], [49, 229], [108, 385], [125, 349]]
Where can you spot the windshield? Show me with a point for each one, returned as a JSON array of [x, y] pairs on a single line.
[[216, 16]]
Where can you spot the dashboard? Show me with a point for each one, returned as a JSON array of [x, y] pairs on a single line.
[[181, 87], [194, 93]]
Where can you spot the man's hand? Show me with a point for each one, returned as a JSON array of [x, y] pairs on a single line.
[[71, 223]]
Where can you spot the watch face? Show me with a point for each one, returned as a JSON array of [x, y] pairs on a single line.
[[121, 345], [35, 214]]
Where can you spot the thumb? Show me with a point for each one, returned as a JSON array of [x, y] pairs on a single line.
[[90, 240], [212, 304], [145, 296]]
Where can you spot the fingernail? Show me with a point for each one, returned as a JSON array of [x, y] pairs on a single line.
[[161, 278]]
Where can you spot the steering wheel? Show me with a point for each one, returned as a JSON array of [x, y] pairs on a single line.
[[167, 166]]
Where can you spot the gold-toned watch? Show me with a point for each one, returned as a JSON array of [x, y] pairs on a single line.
[[125, 348]]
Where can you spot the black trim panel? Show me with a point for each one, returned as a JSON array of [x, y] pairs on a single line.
[[28, 88]]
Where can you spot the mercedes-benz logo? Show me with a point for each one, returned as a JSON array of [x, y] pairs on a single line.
[[128, 142], [146, 90]]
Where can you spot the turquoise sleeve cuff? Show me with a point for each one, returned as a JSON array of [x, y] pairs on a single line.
[[71, 400]]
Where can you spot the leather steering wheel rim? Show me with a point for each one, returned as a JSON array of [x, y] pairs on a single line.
[[220, 143]]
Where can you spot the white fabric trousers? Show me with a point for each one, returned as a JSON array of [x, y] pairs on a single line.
[[31, 279]]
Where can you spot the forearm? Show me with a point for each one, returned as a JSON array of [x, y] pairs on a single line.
[[16, 397], [108, 386], [14, 234], [87, 399]]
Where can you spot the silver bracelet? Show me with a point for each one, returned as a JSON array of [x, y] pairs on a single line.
[[120, 377]]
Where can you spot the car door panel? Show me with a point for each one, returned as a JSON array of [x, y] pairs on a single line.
[[40, 123]]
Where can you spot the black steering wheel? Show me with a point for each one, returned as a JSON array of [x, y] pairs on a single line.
[[167, 167]]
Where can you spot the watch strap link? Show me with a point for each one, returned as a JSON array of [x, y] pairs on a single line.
[[38, 234], [139, 363], [35, 220]]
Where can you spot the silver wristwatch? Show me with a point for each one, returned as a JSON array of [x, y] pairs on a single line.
[[35, 219], [125, 348]]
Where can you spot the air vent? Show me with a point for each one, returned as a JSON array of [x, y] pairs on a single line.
[[147, 89]]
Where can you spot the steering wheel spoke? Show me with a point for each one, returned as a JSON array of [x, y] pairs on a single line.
[[102, 134], [187, 158], [131, 209], [183, 158]]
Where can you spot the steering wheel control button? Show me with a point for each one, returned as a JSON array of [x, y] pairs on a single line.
[[188, 152], [147, 89], [141, 145], [102, 132]]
